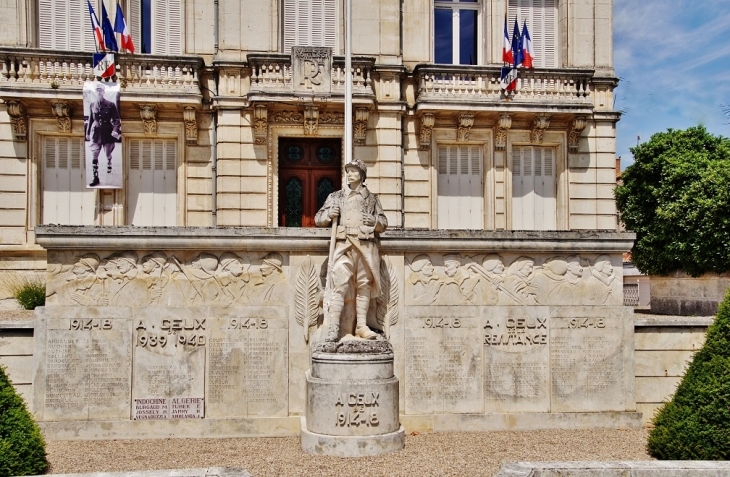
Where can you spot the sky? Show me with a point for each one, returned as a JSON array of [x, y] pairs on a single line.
[[673, 60]]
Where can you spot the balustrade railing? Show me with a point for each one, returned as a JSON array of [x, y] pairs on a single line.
[[273, 73], [460, 83], [42, 68]]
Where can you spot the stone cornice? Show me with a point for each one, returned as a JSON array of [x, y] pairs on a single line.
[[311, 239]]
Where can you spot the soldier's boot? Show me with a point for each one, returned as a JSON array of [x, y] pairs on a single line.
[[95, 169], [335, 312], [361, 329], [109, 166]]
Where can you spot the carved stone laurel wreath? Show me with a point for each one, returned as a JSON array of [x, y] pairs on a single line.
[[387, 310], [306, 294]]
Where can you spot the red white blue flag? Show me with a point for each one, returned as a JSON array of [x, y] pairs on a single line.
[[507, 56], [104, 65], [508, 77], [106, 26], [528, 54], [120, 27], [98, 35]]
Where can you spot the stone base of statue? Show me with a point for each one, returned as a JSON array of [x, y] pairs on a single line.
[[352, 400]]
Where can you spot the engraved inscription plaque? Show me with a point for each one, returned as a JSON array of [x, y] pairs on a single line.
[[312, 69], [587, 359], [516, 350], [443, 360], [169, 362], [88, 363], [247, 362]]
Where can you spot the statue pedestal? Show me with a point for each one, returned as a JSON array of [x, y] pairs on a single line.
[[352, 405]]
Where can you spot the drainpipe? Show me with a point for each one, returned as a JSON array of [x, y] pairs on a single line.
[[216, 9], [403, 142], [214, 172]]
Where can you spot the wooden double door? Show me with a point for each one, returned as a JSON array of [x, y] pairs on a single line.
[[309, 170]]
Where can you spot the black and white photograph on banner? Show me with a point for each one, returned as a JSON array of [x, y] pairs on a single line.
[[103, 130]]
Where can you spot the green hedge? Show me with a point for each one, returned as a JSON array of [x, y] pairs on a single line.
[[22, 449], [676, 197], [695, 424]]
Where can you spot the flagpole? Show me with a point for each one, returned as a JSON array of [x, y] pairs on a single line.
[[348, 81]]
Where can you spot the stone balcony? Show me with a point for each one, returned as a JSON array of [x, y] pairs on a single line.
[[34, 74], [444, 86]]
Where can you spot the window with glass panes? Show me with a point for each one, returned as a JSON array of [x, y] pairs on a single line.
[[456, 32]]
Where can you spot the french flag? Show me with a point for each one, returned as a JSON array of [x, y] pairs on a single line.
[[528, 54], [120, 26], [508, 76], [98, 34], [507, 56]]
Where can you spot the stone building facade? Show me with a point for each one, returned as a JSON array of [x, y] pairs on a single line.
[[233, 117]]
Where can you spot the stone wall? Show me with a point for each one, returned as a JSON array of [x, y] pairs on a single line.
[[681, 294], [140, 326], [663, 346]]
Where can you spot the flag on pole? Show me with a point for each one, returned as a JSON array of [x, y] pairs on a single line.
[[516, 46], [528, 54], [109, 39], [120, 26], [507, 56], [98, 35], [508, 76]]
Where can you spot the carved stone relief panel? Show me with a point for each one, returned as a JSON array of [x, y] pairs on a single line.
[[491, 279], [156, 278], [312, 69]]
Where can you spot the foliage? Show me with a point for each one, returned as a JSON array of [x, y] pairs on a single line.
[[695, 424], [676, 197], [30, 291], [22, 449]]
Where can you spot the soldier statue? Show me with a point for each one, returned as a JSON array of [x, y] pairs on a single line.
[[354, 264]]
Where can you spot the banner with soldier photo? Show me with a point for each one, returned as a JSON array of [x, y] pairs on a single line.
[[103, 131]]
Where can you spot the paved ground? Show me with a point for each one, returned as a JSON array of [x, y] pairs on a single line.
[[438, 454]]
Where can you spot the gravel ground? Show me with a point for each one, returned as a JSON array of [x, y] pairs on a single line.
[[441, 454]]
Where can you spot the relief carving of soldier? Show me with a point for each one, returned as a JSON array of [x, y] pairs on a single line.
[[267, 287], [426, 284], [518, 282], [355, 261]]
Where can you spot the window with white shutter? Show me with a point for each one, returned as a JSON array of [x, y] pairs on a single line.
[[534, 188], [460, 188], [66, 200], [542, 23], [310, 23], [152, 182], [156, 26], [66, 25]]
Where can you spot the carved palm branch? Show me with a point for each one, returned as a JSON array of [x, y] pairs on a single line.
[[387, 311], [305, 298]]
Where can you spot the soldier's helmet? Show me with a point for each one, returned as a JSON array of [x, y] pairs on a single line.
[[358, 164]]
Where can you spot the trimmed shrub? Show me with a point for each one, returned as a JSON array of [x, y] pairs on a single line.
[[695, 424], [30, 291], [22, 449]]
